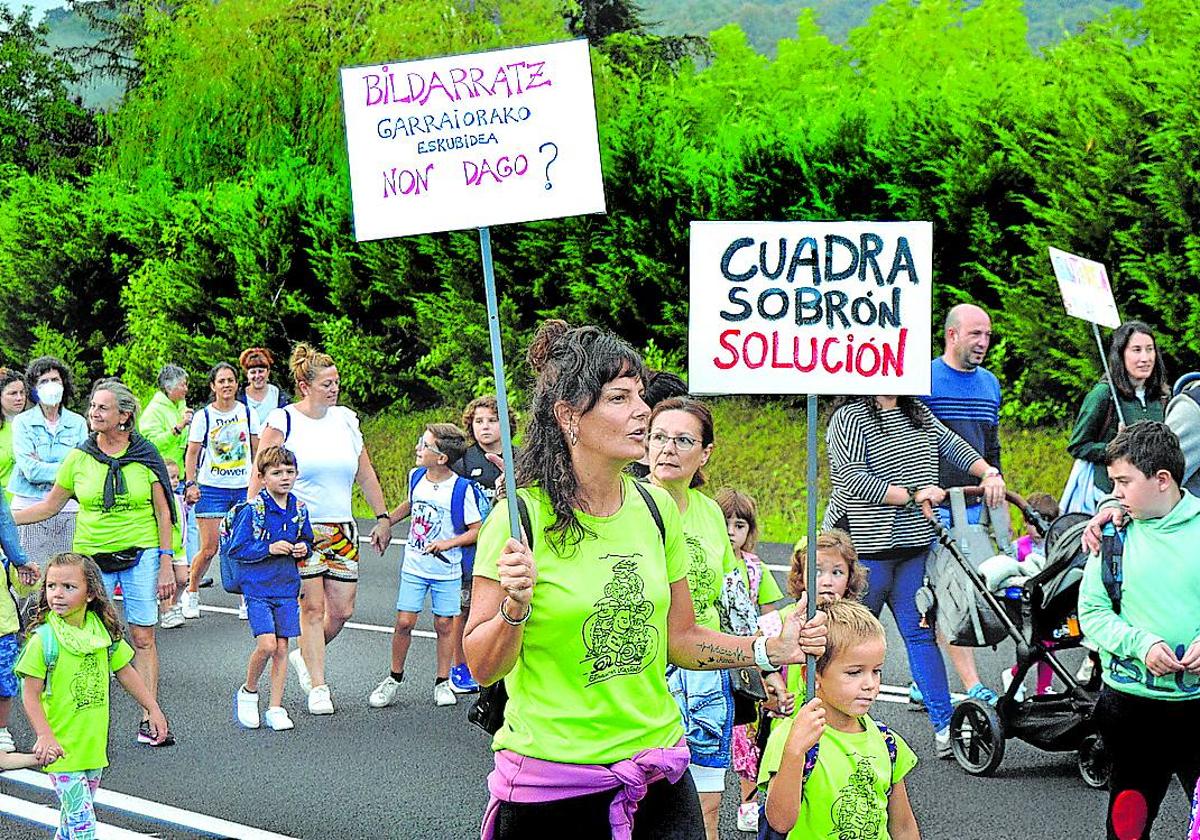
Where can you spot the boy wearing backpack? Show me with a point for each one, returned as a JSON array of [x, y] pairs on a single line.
[[831, 771], [445, 510], [1140, 604], [266, 538]]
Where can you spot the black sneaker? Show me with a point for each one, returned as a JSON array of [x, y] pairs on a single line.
[[144, 736]]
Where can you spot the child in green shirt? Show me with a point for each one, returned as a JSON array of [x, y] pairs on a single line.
[[1147, 630], [75, 641], [833, 772]]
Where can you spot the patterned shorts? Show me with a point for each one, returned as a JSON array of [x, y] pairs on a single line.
[[10, 649], [336, 554]]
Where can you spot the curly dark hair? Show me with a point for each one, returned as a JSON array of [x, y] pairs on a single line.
[[572, 365], [7, 377], [43, 365]]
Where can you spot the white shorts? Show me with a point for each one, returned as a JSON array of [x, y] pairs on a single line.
[[708, 779]]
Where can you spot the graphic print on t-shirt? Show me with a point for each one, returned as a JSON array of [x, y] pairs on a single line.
[[229, 446], [852, 812], [701, 580], [618, 636], [87, 686], [426, 524]]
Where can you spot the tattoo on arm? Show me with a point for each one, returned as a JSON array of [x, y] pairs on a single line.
[[709, 655]]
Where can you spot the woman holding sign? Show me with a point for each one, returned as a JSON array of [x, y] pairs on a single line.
[[883, 459], [582, 618], [1139, 379]]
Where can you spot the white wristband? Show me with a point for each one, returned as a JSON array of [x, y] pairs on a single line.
[[760, 655]]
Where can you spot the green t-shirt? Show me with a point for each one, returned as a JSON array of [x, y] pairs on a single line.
[[847, 793], [710, 556], [768, 588], [7, 461], [77, 705], [589, 685], [129, 524]]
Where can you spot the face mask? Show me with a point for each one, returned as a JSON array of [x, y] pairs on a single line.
[[50, 393]]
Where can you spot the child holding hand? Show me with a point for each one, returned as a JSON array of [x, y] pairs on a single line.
[[75, 642], [269, 537], [832, 771]]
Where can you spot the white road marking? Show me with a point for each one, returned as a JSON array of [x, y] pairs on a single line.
[[12, 806], [203, 823]]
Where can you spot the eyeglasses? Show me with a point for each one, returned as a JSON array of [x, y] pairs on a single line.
[[683, 443], [422, 446]]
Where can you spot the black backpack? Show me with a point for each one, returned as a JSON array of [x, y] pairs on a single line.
[[488, 710]]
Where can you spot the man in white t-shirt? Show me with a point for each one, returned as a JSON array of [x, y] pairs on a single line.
[[432, 563]]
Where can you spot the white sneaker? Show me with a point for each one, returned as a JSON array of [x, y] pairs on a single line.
[[246, 704], [319, 701], [242, 614], [302, 675], [384, 693], [941, 743], [190, 604], [747, 818], [6, 741], [1006, 678], [277, 718], [443, 694], [172, 617]]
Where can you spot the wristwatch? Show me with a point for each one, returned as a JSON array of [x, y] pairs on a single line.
[[760, 655], [991, 471]]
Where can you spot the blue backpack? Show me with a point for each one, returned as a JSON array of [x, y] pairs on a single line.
[[458, 513], [230, 577], [766, 832], [50, 652]]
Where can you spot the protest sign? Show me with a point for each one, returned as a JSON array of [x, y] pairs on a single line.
[[810, 307], [1085, 289], [472, 140]]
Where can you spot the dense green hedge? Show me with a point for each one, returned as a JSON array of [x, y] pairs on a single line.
[[218, 212]]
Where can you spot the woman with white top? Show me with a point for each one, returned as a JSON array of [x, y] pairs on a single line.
[[262, 396], [331, 458], [222, 441], [42, 437]]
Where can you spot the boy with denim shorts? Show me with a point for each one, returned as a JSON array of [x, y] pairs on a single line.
[[20, 576], [1145, 620], [270, 535], [432, 563]]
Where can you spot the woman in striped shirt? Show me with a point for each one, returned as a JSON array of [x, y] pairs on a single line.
[[883, 456]]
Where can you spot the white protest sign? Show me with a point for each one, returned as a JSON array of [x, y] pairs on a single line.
[[472, 140], [810, 307], [1086, 292]]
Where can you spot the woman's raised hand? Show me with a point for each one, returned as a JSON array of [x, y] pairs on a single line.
[[517, 572]]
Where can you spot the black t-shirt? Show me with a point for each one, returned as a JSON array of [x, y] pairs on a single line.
[[475, 466]]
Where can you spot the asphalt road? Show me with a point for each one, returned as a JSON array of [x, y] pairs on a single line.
[[417, 771]]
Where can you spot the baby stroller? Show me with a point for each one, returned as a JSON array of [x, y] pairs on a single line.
[[1039, 613]]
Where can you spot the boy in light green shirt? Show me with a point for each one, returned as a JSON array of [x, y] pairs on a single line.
[[1147, 629], [831, 771]]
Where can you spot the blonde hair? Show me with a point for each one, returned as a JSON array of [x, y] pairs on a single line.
[[307, 362], [849, 623], [835, 540], [273, 456], [737, 505], [99, 603]]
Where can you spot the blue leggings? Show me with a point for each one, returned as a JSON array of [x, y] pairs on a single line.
[[76, 795], [896, 582]]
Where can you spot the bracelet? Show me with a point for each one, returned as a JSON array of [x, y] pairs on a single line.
[[166, 552], [991, 472], [761, 659], [514, 622], [386, 516], [188, 484]]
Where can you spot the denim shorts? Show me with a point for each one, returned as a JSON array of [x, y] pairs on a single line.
[[10, 648], [706, 705], [139, 589], [446, 595], [215, 502], [276, 616]]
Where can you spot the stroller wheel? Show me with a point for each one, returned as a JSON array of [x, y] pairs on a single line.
[[1094, 765], [977, 737]]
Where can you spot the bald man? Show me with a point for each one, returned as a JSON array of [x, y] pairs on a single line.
[[966, 397]]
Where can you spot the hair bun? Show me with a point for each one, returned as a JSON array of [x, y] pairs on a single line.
[[300, 353], [548, 335]]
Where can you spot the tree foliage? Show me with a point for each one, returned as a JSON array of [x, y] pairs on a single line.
[[220, 216]]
